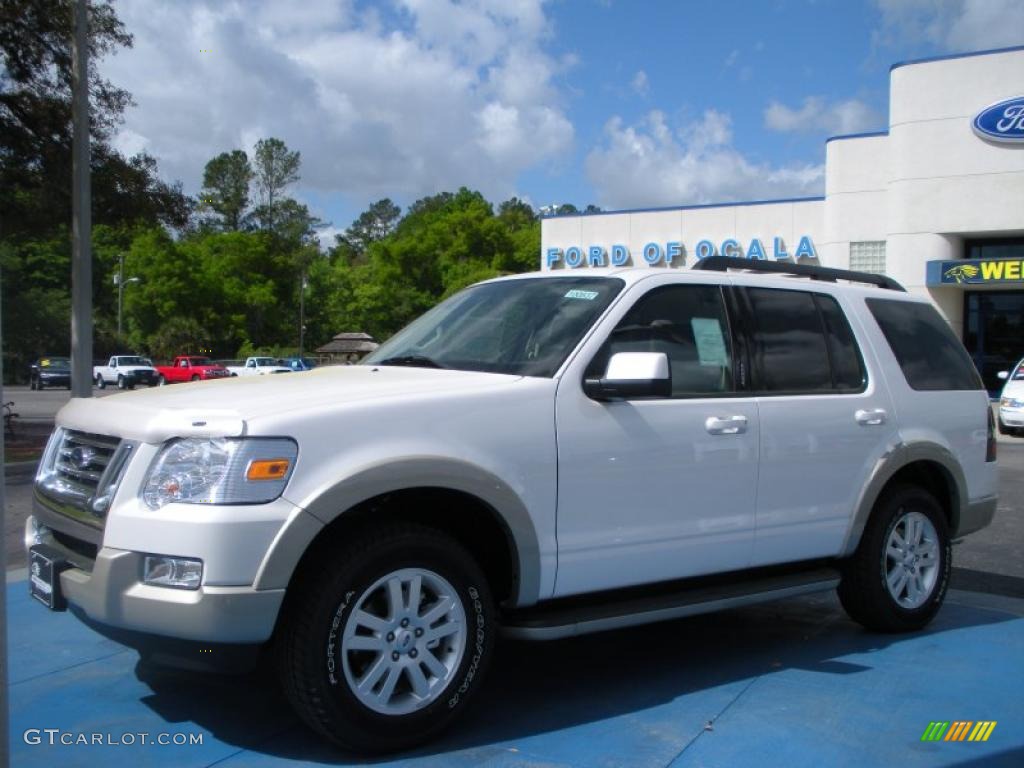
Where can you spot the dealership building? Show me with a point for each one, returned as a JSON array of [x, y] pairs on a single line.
[[936, 202]]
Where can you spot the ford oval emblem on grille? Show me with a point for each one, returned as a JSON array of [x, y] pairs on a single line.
[[1002, 122], [82, 456]]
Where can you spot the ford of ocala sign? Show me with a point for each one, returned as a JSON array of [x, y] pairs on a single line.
[[1002, 122], [673, 253]]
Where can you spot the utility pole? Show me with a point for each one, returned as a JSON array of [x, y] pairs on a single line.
[[81, 206]]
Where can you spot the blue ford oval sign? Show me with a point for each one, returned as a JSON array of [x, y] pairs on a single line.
[[1002, 122]]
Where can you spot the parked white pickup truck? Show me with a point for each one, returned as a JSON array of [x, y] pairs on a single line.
[[258, 366], [125, 371]]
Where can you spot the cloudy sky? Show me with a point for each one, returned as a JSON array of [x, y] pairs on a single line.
[[621, 103]]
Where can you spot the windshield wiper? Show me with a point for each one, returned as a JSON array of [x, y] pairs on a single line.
[[414, 361]]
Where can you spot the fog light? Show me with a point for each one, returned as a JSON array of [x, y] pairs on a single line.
[[179, 572]]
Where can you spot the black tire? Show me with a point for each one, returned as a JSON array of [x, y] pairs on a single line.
[[33, 384], [195, 377], [321, 600], [161, 381], [101, 383], [863, 590], [121, 383]]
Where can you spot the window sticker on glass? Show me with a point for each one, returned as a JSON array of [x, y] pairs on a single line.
[[576, 293], [707, 335]]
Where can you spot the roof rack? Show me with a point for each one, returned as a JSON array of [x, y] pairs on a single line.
[[723, 263]]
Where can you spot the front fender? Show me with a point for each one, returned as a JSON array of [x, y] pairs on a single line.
[[401, 474]]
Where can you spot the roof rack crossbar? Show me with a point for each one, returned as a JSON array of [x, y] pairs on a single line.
[[724, 263]]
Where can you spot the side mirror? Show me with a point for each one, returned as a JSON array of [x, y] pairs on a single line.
[[632, 375], [1003, 375]]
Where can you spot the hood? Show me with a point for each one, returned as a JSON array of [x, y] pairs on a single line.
[[223, 407]]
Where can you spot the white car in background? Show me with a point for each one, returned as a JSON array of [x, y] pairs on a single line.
[[258, 366], [1011, 402]]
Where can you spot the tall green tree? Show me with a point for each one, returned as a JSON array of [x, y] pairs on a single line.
[[276, 168], [374, 224], [226, 181]]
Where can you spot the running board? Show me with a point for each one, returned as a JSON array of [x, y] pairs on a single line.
[[581, 616]]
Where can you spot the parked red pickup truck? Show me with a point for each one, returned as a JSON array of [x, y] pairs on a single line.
[[190, 368]]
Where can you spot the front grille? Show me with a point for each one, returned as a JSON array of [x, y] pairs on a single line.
[[81, 460], [80, 473]]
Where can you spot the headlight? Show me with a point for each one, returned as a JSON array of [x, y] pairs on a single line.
[[220, 471], [1009, 402]]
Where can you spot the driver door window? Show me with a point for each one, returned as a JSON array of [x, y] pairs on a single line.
[[689, 324]]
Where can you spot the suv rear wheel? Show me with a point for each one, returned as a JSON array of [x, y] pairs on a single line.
[[384, 640], [897, 579]]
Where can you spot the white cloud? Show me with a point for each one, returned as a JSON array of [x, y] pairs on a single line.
[[817, 116], [954, 25], [639, 83], [403, 102], [652, 164]]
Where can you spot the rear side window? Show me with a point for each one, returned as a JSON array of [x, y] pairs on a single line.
[[802, 343], [843, 353], [930, 354]]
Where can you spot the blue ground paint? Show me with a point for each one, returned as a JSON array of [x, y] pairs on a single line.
[[791, 683]]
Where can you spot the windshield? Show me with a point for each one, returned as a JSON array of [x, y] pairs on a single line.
[[262, 361], [132, 361], [200, 361], [525, 327], [55, 362]]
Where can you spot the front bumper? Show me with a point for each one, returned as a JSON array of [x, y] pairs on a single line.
[[235, 602], [112, 593], [55, 379], [1011, 417], [143, 377]]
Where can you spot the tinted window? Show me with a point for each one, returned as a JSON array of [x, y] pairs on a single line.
[[789, 351], [931, 356], [686, 322], [843, 353]]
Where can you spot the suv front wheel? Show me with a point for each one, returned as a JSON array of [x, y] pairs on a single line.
[[385, 638], [897, 579]]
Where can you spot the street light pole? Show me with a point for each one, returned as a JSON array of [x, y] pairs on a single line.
[[120, 293], [302, 313]]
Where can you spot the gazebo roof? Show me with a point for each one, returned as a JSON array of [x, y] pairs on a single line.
[[349, 343]]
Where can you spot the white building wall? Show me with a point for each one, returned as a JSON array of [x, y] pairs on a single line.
[[924, 187]]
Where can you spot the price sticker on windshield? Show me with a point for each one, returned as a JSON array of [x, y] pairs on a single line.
[[576, 293]]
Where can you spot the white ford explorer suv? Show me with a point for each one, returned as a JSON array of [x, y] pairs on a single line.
[[546, 455]]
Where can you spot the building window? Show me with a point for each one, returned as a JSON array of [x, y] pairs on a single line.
[[868, 256]]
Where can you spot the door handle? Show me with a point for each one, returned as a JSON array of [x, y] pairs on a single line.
[[726, 425], [870, 418]]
